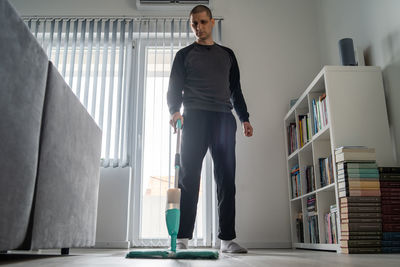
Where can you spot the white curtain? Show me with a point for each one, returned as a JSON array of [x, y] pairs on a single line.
[[93, 55]]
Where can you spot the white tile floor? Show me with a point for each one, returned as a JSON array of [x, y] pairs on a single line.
[[255, 258]]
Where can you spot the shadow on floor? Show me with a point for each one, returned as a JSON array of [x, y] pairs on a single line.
[[17, 258]]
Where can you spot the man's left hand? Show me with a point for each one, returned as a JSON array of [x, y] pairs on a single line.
[[247, 129]]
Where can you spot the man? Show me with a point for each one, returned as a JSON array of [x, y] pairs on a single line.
[[205, 77]]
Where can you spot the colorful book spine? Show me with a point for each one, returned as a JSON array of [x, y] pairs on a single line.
[[390, 190]]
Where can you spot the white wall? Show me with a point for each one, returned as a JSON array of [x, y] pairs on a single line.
[[375, 28], [277, 48], [113, 208], [278, 53]]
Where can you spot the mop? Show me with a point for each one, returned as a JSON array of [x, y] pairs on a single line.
[[172, 216]]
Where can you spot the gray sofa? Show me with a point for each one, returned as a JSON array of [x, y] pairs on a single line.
[[49, 149]]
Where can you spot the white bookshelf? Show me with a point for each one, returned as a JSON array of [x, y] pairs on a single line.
[[357, 116]]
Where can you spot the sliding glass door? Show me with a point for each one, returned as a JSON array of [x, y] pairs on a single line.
[[156, 157]]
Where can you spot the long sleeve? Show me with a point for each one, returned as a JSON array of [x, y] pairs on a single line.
[[237, 98], [176, 83]]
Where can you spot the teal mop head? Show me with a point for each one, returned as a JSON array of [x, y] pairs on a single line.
[[172, 215], [186, 254]]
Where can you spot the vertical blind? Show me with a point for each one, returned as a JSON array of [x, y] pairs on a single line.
[[97, 58]]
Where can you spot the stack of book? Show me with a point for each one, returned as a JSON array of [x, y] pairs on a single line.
[[312, 219], [357, 172], [295, 177], [361, 224], [360, 202], [331, 225], [390, 194]]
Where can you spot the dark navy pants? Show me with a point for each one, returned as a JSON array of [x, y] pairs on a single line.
[[216, 131]]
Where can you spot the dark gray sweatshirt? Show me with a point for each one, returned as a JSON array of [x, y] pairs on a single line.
[[206, 77]]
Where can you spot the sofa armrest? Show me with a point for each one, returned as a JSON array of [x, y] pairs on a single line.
[[23, 72], [69, 169]]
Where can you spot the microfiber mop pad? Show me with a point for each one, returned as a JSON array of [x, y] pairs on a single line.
[[186, 254]]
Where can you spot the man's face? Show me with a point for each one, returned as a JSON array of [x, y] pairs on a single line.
[[202, 25]]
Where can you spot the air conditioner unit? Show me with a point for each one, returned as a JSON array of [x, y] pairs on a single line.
[[170, 4]]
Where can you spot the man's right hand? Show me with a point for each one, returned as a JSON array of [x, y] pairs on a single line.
[[174, 118]]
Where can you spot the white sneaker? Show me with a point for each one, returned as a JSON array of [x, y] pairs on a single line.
[[228, 246], [182, 243]]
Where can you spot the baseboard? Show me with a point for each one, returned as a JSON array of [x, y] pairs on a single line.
[[251, 245], [113, 244]]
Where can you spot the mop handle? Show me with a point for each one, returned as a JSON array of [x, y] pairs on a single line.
[[178, 152]]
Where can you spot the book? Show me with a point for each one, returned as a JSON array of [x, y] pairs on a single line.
[[391, 218], [314, 106], [391, 236], [389, 184], [391, 189], [361, 227], [328, 228], [362, 206], [299, 228], [301, 133], [391, 209], [390, 202], [344, 201], [360, 237], [361, 250], [358, 184], [389, 177], [360, 215], [357, 165], [391, 227], [362, 149], [389, 170], [390, 243], [362, 220], [313, 229], [390, 198], [358, 192], [292, 138], [389, 192], [295, 179], [310, 178], [349, 209], [361, 233], [326, 170], [390, 249], [360, 200], [359, 243], [350, 171], [355, 156], [358, 175], [345, 179]]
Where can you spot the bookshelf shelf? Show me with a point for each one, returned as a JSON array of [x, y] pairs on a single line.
[[329, 187], [342, 106], [331, 247], [323, 134], [294, 154]]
